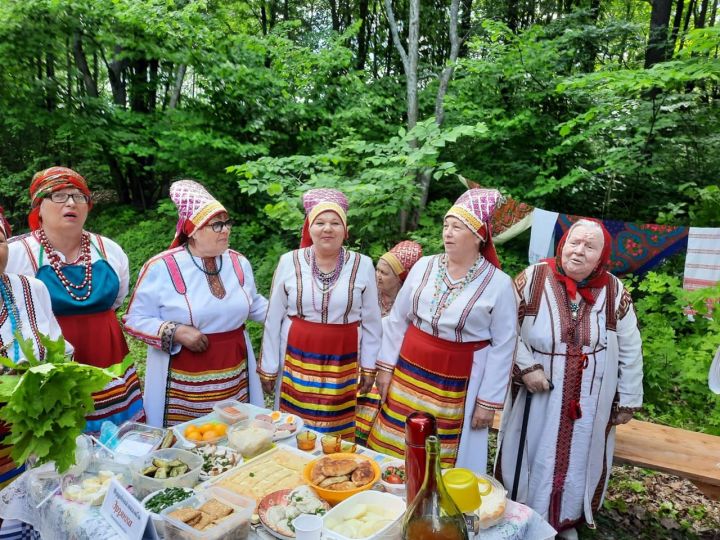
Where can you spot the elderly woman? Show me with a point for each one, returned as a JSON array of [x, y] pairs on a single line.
[[87, 276], [323, 318], [578, 335], [190, 305], [390, 273], [448, 343]]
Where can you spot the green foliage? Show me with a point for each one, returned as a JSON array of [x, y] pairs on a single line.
[[677, 352], [46, 402]]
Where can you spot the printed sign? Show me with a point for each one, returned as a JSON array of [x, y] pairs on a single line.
[[126, 514]]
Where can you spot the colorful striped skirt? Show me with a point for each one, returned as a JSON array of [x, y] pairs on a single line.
[[99, 342], [9, 470], [196, 381], [368, 407], [319, 379], [431, 375]]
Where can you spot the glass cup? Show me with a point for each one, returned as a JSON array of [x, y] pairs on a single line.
[[308, 527], [330, 444], [462, 485], [306, 440]]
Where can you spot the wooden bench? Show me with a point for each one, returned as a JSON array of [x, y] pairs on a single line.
[[692, 455]]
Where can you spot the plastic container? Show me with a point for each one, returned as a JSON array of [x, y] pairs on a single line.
[[335, 496], [232, 411], [93, 471], [145, 484], [387, 501], [212, 418], [135, 440], [156, 517], [250, 441], [235, 526], [395, 489]]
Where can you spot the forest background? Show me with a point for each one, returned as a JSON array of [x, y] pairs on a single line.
[[604, 108]]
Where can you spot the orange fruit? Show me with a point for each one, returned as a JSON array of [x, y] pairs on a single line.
[[209, 435], [194, 436], [207, 427], [220, 429], [191, 429]]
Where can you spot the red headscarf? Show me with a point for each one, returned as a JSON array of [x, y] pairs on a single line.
[[49, 180], [599, 277]]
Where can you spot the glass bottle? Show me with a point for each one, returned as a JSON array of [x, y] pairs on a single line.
[[419, 425], [433, 515]]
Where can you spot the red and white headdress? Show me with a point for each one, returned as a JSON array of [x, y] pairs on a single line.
[[317, 201], [48, 180], [402, 257], [195, 208], [475, 208]]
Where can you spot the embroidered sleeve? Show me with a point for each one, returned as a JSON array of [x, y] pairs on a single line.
[[625, 305], [167, 336]]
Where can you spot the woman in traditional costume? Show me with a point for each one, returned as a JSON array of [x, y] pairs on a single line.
[[323, 319], [190, 305], [87, 276], [26, 308], [390, 272], [579, 335], [448, 343]]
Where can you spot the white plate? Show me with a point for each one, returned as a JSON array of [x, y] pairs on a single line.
[[283, 434]]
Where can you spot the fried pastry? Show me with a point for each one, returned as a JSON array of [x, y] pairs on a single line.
[[339, 467], [363, 474], [216, 509], [342, 486], [329, 481]]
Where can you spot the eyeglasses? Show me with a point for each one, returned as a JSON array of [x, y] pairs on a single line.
[[60, 197], [217, 226]]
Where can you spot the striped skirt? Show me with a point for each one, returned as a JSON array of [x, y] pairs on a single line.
[[99, 342], [368, 407], [319, 379], [196, 381], [431, 375]]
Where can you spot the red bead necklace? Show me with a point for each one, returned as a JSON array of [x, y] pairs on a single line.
[[56, 264]]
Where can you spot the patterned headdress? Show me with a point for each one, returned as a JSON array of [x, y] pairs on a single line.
[[475, 208], [47, 181], [402, 257], [7, 231], [317, 201], [195, 208]]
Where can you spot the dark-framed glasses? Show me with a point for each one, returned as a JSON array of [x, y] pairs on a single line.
[[217, 226], [61, 198]]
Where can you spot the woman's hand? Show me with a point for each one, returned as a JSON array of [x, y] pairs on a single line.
[[268, 385], [536, 381], [382, 381], [366, 383], [191, 338], [482, 417], [621, 417]]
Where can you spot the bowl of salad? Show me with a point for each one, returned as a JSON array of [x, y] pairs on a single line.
[[392, 477]]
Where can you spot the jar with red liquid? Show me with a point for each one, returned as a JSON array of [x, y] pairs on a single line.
[[418, 427]]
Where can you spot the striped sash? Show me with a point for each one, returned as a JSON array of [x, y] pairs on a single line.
[[196, 381], [431, 375], [319, 378]]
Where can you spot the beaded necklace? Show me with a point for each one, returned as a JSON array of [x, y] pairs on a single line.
[[13, 315], [442, 285], [56, 264], [327, 280], [206, 272]]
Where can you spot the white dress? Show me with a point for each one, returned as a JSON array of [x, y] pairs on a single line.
[[354, 298], [490, 316], [155, 302], [575, 455]]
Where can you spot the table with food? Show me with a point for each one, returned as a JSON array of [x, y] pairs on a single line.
[[246, 472]]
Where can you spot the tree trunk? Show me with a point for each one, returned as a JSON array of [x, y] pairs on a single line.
[[363, 35], [465, 27], [263, 19], [82, 65], [686, 24], [713, 13], [702, 16], [334, 15], [657, 47], [51, 87], [677, 20], [177, 88], [68, 69], [511, 15]]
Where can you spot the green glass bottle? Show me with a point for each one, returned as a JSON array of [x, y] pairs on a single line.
[[433, 515]]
